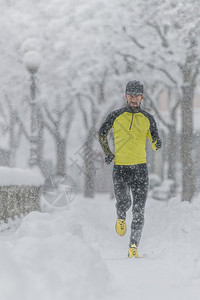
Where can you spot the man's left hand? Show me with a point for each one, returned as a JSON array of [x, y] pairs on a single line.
[[158, 144]]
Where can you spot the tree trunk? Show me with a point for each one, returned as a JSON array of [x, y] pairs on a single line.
[[61, 156], [89, 168], [40, 144], [188, 176], [89, 189], [12, 146], [172, 152]]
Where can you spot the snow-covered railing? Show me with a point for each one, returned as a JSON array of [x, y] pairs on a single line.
[[19, 192]]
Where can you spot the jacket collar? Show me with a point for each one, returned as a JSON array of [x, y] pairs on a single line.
[[128, 109]]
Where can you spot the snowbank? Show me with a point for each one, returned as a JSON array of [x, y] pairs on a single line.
[[76, 254], [181, 231], [173, 236], [16, 176], [46, 261]]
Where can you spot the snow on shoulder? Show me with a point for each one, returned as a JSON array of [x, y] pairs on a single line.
[[17, 176]]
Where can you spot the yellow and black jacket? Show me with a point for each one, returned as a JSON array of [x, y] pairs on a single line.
[[131, 129]]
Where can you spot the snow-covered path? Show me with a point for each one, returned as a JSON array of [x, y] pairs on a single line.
[[76, 254], [164, 271]]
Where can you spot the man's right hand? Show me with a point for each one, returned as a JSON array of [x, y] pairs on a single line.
[[109, 158]]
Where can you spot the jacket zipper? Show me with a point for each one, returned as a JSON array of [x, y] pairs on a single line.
[[131, 122]]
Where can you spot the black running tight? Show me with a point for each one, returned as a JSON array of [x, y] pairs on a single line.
[[131, 179]]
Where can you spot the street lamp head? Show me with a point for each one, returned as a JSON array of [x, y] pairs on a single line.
[[32, 61], [31, 44]]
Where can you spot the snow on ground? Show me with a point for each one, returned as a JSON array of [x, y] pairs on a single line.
[[76, 254]]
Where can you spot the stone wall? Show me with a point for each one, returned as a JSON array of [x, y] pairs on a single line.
[[18, 200]]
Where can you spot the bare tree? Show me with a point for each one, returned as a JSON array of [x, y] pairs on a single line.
[[58, 121], [170, 124], [90, 119], [158, 51], [9, 125], [190, 71], [92, 114]]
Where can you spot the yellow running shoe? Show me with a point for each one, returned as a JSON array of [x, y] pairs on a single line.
[[120, 226], [132, 251]]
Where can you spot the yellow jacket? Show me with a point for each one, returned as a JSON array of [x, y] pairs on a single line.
[[131, 129]]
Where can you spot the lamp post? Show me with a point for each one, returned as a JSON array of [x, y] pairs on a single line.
[[32, 63]]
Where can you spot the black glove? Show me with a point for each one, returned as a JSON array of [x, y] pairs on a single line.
[[109, 158], [158, 144]]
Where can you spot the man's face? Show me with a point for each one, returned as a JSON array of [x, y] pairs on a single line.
[[134, 100]]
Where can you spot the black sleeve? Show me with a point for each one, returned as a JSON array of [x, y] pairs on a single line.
[[153, 132], [153, 129], [103, 132], [156, 141]]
